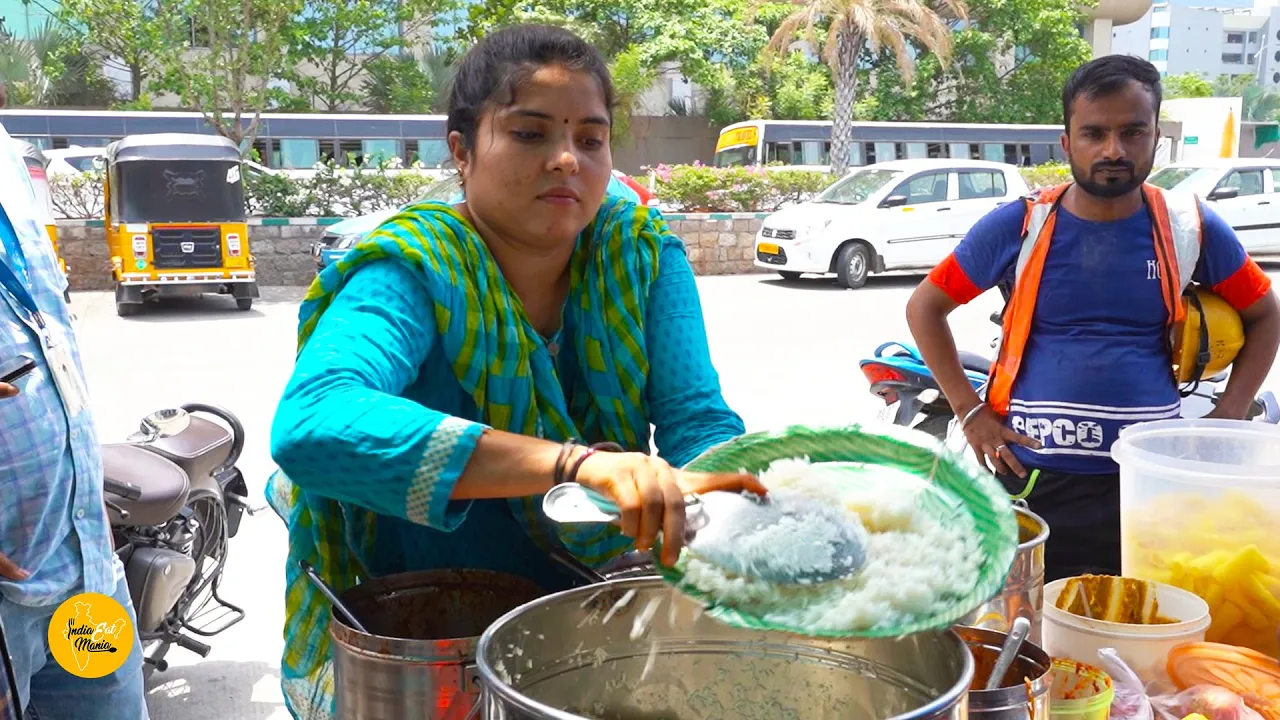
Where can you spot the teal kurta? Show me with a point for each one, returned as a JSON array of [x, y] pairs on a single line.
[[412, 345]]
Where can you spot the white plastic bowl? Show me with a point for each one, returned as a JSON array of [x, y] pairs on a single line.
[[1145, 648]]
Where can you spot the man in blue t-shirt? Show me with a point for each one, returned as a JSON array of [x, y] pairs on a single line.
[[1097, 357]]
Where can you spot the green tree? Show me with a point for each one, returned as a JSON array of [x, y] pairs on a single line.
[[406, 84], [708, 41], [222, 58], [842, 29], [52, 68], [1009, 62], [125, 33], [1258, 103], [339, 42], [799, 89], [1187, 85]]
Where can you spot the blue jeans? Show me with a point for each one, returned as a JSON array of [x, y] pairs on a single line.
[[50, 693]]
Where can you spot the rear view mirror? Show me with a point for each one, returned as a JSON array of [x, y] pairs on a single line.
[[894, 201], [1224, 193]]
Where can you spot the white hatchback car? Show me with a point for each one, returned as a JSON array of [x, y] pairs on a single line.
[[1244, 191], [899, 215]]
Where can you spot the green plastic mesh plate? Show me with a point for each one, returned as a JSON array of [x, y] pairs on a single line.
[[956, 478]]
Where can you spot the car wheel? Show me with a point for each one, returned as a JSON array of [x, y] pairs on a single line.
[[789, 275], [128, 309], [854, 265], [244, 303]]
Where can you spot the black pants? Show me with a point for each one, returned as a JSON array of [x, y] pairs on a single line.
[[1083, 513]]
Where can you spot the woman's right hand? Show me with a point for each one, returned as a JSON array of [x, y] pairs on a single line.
[[990, 439], [650, 494]]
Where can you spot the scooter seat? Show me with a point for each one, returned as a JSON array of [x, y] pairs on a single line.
[[974, 362], [163, 484]]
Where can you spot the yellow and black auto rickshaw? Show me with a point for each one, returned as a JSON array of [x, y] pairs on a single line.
[[175, 219], [38, 167]]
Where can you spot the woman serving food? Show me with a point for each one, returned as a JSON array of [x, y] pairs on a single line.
[[449, 364]]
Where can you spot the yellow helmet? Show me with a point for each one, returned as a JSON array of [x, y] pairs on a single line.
[[1208, 340]]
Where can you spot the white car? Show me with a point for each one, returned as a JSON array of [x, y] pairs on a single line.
[[1244, 191], [899, 215], [75, 159]]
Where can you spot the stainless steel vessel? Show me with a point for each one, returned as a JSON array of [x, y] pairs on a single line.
[[588, 653], [1023, 592], [417, 662], [1026, 698]]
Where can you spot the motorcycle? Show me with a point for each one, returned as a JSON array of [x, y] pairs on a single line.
[[898, 375], [175, 498]]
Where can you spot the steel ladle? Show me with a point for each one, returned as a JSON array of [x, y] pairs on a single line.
[[717, 522]]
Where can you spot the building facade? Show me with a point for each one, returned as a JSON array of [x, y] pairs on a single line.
[[1210, 42]]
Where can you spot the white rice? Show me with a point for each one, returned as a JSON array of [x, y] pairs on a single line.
[[913, 560]]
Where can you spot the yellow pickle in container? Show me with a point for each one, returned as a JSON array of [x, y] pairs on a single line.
[[1200, 502]]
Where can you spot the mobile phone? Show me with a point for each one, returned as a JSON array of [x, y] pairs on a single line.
[[16, 367]]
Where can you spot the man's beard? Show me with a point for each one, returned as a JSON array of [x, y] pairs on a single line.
[[1109, 186]]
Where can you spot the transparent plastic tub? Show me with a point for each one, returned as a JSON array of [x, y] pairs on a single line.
[[1200, 503], [1080, 692]]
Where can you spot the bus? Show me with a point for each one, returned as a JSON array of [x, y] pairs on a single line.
[[806, 144], [288, 141]]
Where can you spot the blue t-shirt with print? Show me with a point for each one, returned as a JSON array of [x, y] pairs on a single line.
[[1097, 358]]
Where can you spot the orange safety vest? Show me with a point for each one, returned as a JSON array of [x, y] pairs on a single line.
[[1177, 225]]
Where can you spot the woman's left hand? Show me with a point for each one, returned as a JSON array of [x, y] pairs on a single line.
[[650, 494]]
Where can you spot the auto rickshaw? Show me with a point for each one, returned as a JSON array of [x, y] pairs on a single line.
[[37, 167], [175, 219]]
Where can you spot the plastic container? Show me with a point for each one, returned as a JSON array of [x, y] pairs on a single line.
[[1080, 692], [1144, 648], [1200, 502]]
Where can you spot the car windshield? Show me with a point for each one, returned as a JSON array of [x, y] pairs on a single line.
[[856, 188], [1189, 177], [83, 163]]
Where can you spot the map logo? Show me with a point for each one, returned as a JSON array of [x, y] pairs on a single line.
[[91, 635]]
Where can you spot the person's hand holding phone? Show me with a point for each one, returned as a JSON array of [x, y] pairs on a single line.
[[13, 370]]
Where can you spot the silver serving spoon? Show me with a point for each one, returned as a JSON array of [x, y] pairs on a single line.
[[717, 522], [1009, 651]]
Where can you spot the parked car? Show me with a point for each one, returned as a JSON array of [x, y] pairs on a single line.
[[1244, 191], [899, 215], [340, 237]]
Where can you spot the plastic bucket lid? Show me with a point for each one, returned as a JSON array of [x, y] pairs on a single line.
[[1080, 690], [1198, 451]]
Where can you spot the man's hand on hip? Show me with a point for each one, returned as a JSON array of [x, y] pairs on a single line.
[[11, 571], [990, 439], [7, 390]]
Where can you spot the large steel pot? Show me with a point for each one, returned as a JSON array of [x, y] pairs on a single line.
[[1023, 592], [418, 660], [558, 659], [1025, 695]]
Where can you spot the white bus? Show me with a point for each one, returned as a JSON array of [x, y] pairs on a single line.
[[806, 144]]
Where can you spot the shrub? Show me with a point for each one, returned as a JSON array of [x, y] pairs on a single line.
[[77, 196], [330, 191], [1047, 175], [701, 188]]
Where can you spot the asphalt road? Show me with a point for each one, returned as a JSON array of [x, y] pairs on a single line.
[[786, 352]]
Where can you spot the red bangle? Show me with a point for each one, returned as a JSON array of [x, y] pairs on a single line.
[[591, 450]]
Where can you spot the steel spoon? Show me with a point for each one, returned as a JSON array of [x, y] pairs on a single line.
[[716, 521], [329, 593], [1009, 651]]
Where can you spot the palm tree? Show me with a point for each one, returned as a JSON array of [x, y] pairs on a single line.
[[877, 24]]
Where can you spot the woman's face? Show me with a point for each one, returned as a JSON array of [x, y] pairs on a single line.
[[538, 171]]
